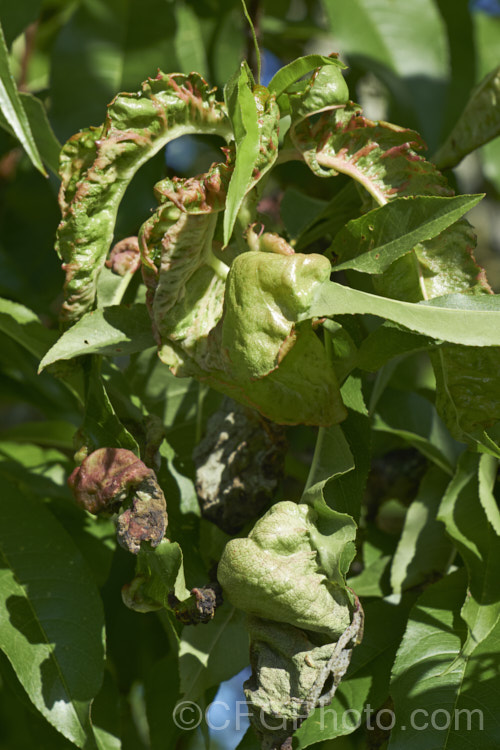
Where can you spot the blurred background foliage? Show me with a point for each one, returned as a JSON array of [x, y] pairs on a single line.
[[412, 63]]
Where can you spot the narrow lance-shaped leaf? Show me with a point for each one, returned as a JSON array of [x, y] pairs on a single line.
[[22, 325], [478, 124], [255, 116], [423, 550], [101, 426], [479, 546], [13, 110], [111, 331], [45, 139], [488, 468], [458, 319], [371, 243]]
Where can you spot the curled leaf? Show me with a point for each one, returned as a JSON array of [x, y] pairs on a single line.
[[124, 258], [114, 479], [288, 576], [98, 164], [104, 478], [274, 573]]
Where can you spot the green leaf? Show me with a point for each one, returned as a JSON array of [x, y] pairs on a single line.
[[344, 205], [111, 331], [290, 73], [104, 48], [254, 116], [488, 468], [467, 396], [374, 579], [479, 546], [160, 572], [459, 318], [389, 341], [52, 624], [429, 673], [162, 692], [371, 243], [47, 143], [332, 458], [344, 141], [13, 110], [423, 551], [189, 44], [413, 418], [212, 653], [486, 30], [24, 327], [262, 357], [478, 124], [342, 457], [299, 211], [101, 427]]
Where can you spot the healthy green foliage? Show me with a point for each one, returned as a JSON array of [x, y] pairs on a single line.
[[336, 530]]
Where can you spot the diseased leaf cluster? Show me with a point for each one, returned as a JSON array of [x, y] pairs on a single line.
[[270, 417]]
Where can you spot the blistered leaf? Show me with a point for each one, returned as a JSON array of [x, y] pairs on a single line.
[[98, 164], [289, 575], [276, 289], [383, 159], [367, 677], [115, 480], [347, 142], [291, 674], [274, 573]]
